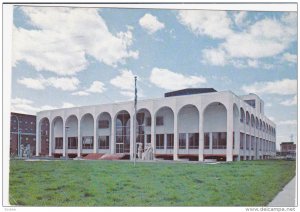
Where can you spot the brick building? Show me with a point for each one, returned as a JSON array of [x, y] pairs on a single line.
[[287, 148], [27, 132]]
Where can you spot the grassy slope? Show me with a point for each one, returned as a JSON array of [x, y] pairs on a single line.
[[109, 183]]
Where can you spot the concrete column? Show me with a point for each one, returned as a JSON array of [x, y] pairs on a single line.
[[210, 141], [37, 140], [187, 141], [229, 133], [153, 133], [175, 151], [50, 139], [112, 136], [64, 139], [165, 143], [245, 147], [95, 136], [132, 137], [79, 140], [237, 142], [201, 137]]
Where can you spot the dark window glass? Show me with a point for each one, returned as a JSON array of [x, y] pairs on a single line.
[[206, 140], [193, 140], [87, 142], [159, 120], [247, 142], [148, 121], [148, 138], [242, 140], [233, 141], [72, 142], [103, 142], [103, 124], [247, 118], [182, 141], [140, 139], [170, 141], [160, 141], [219, 140], [252, 142], [59, 143]]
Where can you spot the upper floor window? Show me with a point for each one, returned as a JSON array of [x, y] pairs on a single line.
[[103, 124], [159, 120], [148, 121]]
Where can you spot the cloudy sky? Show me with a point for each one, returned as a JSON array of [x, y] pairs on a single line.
[[65, 57]]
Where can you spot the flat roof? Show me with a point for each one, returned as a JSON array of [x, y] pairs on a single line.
[[189, 91]]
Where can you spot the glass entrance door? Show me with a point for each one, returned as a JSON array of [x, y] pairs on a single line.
[[119, 148]]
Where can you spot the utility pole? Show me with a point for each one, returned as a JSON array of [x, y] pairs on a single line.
[[134, 122]]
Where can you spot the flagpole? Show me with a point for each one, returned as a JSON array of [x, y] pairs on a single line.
[[134, 121]]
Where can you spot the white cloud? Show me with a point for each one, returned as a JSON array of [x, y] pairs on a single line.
[[169, 80], [80, 93], [40, 83], [37, 83], [124, 81], [63, 36], [253, 63], [215, 24], [268, 104], [214, 57], [287, 122], [240, 18], [63, 83], [150, 23], [96, 87], [291, 58], [264, 38], [26, 106], [272, 118], [290, 102], [282, 87], [67, 105]]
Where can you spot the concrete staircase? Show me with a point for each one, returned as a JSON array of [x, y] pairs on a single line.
[[117, 156], [99, 156], [93, 156]]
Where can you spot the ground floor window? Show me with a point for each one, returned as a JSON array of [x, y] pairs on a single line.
[[59, 143], [219, 140], [140, 138], [103, 142], [193, 140], [182, 141], [252, 142], [87, 142], [260, 143], [247, 142], [206, 141], [123, 143], [72, 142], [242, 140], [233, 140], [170, 141], [160, 141], [148, 138]]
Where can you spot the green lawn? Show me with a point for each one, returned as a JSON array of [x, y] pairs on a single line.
[[113, 183]]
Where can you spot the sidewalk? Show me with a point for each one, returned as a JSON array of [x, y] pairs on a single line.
[[286, 197]]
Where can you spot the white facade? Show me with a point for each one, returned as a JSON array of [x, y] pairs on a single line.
[[201, 125]]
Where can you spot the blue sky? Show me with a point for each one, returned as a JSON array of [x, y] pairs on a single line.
[[65, 57]]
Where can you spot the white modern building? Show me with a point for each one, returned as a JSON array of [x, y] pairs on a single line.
[[195, 124]]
